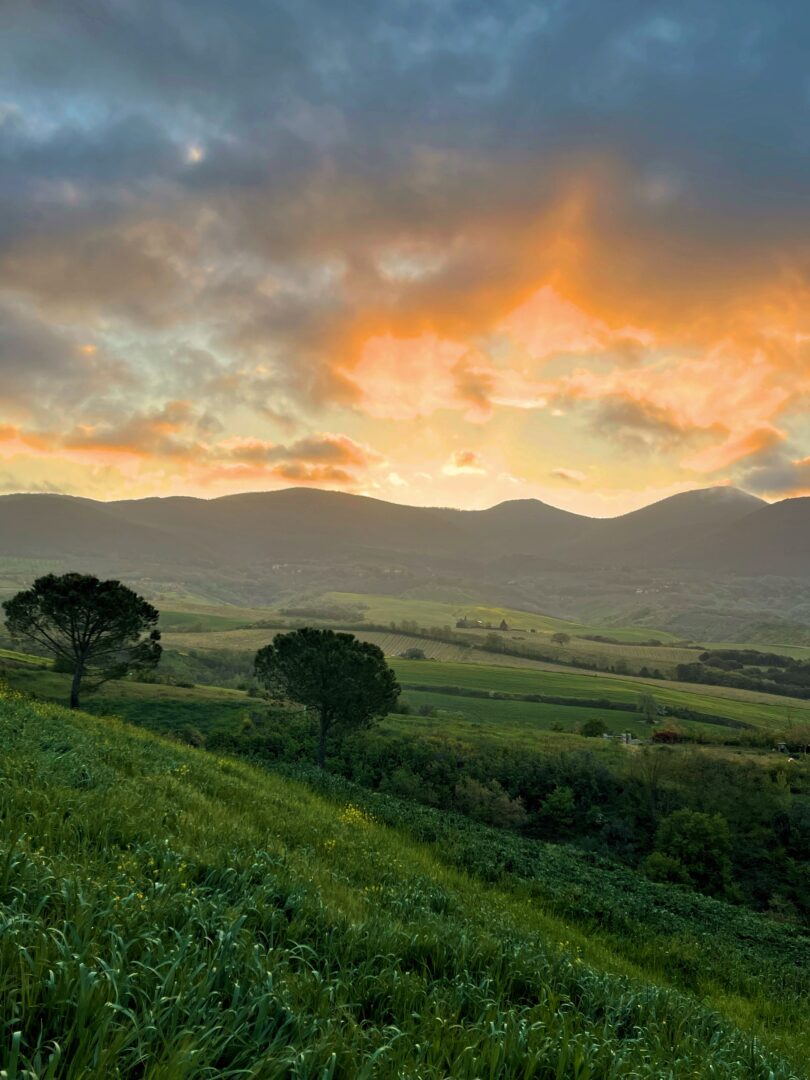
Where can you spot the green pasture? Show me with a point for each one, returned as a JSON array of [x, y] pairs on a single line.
[[149, 705], [425, 612], [199, 621], [510, 721], [757, 710]]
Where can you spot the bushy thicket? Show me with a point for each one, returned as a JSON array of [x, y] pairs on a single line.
[[576, 797], [749, 669]]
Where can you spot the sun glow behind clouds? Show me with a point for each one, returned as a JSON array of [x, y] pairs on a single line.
[[358, 248]]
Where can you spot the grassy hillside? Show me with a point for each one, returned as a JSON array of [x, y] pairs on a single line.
[[168, 914], [150, 705]]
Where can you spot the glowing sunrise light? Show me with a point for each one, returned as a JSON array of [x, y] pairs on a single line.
[[401, 232]]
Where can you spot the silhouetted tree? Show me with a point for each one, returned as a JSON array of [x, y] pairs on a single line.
[[99, 629], [346, 683]]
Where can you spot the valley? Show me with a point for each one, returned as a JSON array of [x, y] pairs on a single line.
[[630, 832]]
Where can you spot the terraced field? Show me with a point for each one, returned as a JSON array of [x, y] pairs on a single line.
[[393, 643], [528, 631], [598, 654]]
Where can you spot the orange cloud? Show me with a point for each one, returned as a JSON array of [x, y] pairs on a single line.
[[464, 463], [553, 302], [404, 378], [735, 448], [546, 323], [14, 440]]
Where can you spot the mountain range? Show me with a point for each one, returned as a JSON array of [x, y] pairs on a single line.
[[714, 530]]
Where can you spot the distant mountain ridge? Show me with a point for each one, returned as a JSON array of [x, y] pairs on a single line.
[[711, 529]]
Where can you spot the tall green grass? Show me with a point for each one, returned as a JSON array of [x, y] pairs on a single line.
[[166, 914]]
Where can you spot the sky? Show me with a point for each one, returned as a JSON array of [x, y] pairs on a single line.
[[441, 252]]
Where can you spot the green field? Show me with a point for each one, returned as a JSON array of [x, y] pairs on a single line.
[[168, 914], [199, 620], [426, 612], [11, 656], [150, 705], [209, 708], [757, 710], [510, 720], [528, 632], [392, 643]]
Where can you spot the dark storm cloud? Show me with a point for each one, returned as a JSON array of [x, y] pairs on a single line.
[[695, 92]]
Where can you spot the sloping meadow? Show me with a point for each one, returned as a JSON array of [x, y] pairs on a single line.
[[166, 914]]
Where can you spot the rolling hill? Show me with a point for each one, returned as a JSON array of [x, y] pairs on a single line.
[[302, 524], [772, 540], [262, 548]]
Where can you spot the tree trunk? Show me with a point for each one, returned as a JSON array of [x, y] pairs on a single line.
[[321, 758], [74, 686]]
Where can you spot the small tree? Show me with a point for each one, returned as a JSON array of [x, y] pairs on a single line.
[[99, 629], [561, 638], [648, 707], [701, 845], [593, 728], [346, 683]]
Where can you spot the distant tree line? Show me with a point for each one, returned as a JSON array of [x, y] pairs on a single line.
[[748, 669]]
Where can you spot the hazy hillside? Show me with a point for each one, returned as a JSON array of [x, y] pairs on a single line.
[[657, 535], [519, 527], [302, 523], [773, 540], [260, 546]]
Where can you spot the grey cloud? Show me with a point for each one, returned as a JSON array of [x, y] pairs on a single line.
[[780, 471], [329, 130], [42, 368], [635, 425]]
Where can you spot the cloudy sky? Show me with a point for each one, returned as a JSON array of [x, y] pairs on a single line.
[[437, 251]]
